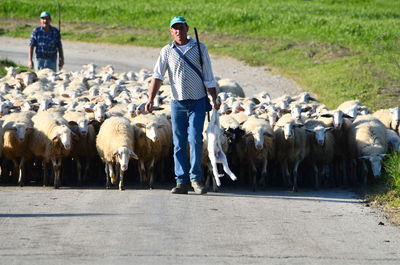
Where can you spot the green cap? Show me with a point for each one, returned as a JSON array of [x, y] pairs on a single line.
[[175, 20], [45, 14]]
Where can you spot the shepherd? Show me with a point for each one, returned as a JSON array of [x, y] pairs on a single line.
[[188, 77]]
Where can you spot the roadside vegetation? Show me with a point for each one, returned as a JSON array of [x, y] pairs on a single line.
[[337, 49]]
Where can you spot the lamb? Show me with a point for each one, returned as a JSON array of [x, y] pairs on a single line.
[[84, 147], [322, 149], [341, 123], [257, 146], [153, 144], [350, 108], [290, 146], [216, 152], [389, 117], [17, 128], [367, 139], [115, 145], [51, 141]]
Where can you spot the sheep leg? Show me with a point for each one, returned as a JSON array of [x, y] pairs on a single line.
[[316, 177], [44, 165], [253, 173], [296, 165], [216, 174], [57, 172], [151, 173], [263, 180], [79, 170], [21, 172], [121, 179], [106, 169], [14, 171], [86, 170], [142, 172], [364, 173]]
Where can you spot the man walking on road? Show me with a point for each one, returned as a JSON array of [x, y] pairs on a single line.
[[47, 41], [188, 106]]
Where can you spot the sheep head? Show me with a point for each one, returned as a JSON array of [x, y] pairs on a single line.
[[123, 154]]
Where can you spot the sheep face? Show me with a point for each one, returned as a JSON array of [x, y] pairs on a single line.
[[4, 109], [100, 112], [63, 134], [319, 134], [296, 112], [272, 118], [376, 163], [258, 135], [83, 126], [123, 154], [21, 131]]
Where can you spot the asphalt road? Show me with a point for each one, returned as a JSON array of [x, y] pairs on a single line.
[[97, 226], [127, 58]]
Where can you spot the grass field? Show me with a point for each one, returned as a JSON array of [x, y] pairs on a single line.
[[337, 49]]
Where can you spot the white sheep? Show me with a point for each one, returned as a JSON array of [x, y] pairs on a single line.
[[389, 117], [255, 148], [17, 128], [51, 141], [115, 145], [367, 139], [322, 149], [290, 147], [153, 145], [84, 146]]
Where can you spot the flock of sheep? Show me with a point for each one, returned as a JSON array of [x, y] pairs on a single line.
[[79, 120]]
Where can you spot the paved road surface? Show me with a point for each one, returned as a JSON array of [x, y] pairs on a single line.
[[97, 226], [126, 58]]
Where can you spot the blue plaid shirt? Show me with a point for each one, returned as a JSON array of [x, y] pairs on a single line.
[[46, 44]]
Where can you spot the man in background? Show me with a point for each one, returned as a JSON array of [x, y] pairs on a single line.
[[46, 41]]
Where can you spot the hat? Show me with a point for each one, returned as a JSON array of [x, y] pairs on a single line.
[[45, 14], [176, 20]]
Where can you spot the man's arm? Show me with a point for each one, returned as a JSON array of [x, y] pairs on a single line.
[[154, 87], [30, 57]]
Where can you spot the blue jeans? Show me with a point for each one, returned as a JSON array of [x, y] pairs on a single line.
[[187, 117], [42, 63]]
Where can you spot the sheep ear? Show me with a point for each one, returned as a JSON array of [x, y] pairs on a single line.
[[347, 116], [327, 115], [328, 129], [89, 110], [298, 125], [140, 125], [364, 157], [72, 123], [268, 134], [305, 109], [313, 99], [309, 131], [116, 153], [133, 155], [382, 155]]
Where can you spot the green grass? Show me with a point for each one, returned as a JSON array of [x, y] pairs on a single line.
[[337, 49]]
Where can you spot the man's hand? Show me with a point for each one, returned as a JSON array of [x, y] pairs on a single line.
[[61, 63], [216, 103], [30, 64], [149, 106]]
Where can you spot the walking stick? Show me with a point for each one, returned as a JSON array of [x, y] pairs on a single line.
[[201, 65]]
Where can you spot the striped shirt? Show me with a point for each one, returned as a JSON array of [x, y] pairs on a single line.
[[46, 43], [185, 83]]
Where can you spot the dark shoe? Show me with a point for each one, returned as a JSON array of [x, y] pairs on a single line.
[[180, 189], [199, 187]]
